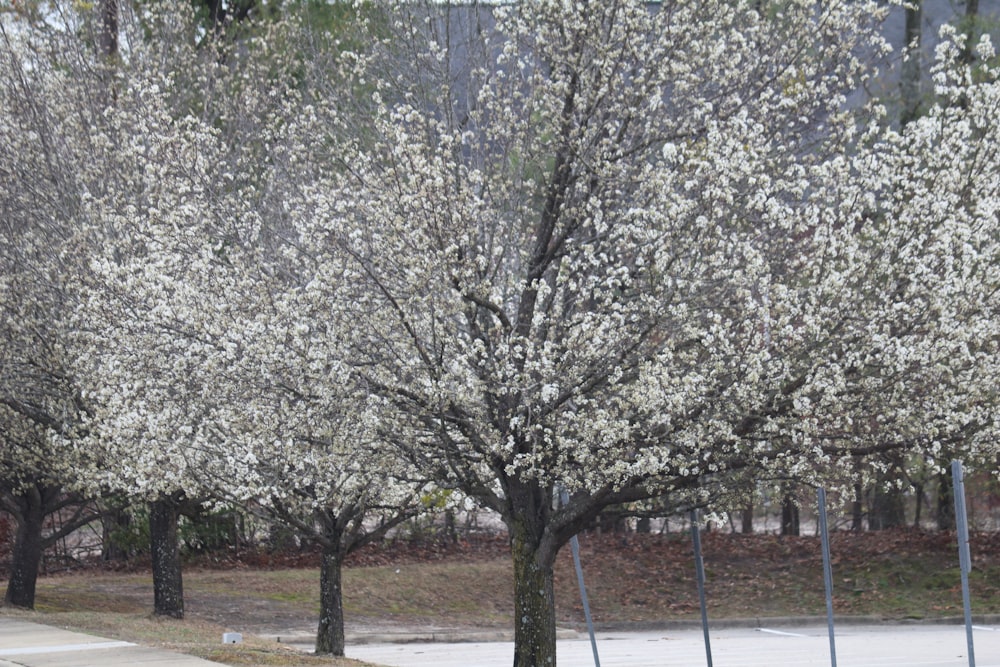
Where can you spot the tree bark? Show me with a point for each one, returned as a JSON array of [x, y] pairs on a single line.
[[970, 19], [789, 516], [534, 599], [168, 586], [945, 501], [888, 509], [747, 520], [910, 79], [27, 552], [109, 28], [858, 509], [330, 634], [115, 521]]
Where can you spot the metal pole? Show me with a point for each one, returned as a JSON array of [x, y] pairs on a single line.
[[699, 568], [964, 558], [574, 544], [824, 532]]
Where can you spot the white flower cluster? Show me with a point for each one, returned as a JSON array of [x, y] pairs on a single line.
[[181, 339]]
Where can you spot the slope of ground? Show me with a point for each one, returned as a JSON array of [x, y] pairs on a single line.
[[630, 579]]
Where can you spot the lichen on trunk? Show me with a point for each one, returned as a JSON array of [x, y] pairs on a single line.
[[330, 634], [27, 551], [168, 587], [534, 600]]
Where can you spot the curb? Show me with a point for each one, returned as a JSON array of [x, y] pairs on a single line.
[[790, 621], [303, 639], [577, 631]]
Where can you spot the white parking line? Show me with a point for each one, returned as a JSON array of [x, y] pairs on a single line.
[[781, 632], [62, 648]]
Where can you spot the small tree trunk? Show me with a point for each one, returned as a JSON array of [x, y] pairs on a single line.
[[115, 522], [910, 78], [970, 20], [888, 510], [534, 601], [330, 635], [945, 501], [858, 509], [789, 516], [747, 516], [109, 28], [168, 587], [609, 521], [451, 526], [27, 552]]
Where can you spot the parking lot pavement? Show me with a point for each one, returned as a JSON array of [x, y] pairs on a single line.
[[32, 645], [856, 646]]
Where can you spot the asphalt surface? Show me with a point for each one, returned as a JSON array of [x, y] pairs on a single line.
[[856, 646], [25, 644]]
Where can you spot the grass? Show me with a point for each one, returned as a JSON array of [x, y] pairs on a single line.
[[637, 580]]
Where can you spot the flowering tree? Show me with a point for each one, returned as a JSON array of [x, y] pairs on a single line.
[[627, 251], [937, 215], [39, 396], [916, 34], [72, 118], [237, 390], [67, 155], [213, 369]]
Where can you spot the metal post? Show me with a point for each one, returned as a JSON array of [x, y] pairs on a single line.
[[574, 544], [699, 567], [964, 557], [824, 532]]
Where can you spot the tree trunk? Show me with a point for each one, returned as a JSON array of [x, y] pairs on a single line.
[[910, 77], [109, 28], [970, 20], [945, 501], [534, 599], [789, 516], [168, 588], [115, 522], [888, 508], [858, 509], [747, 520], [27, 552], [615, 521], [451, 526], [330, 635]]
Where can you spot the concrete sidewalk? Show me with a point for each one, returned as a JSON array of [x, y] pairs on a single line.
[[26, 644]]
